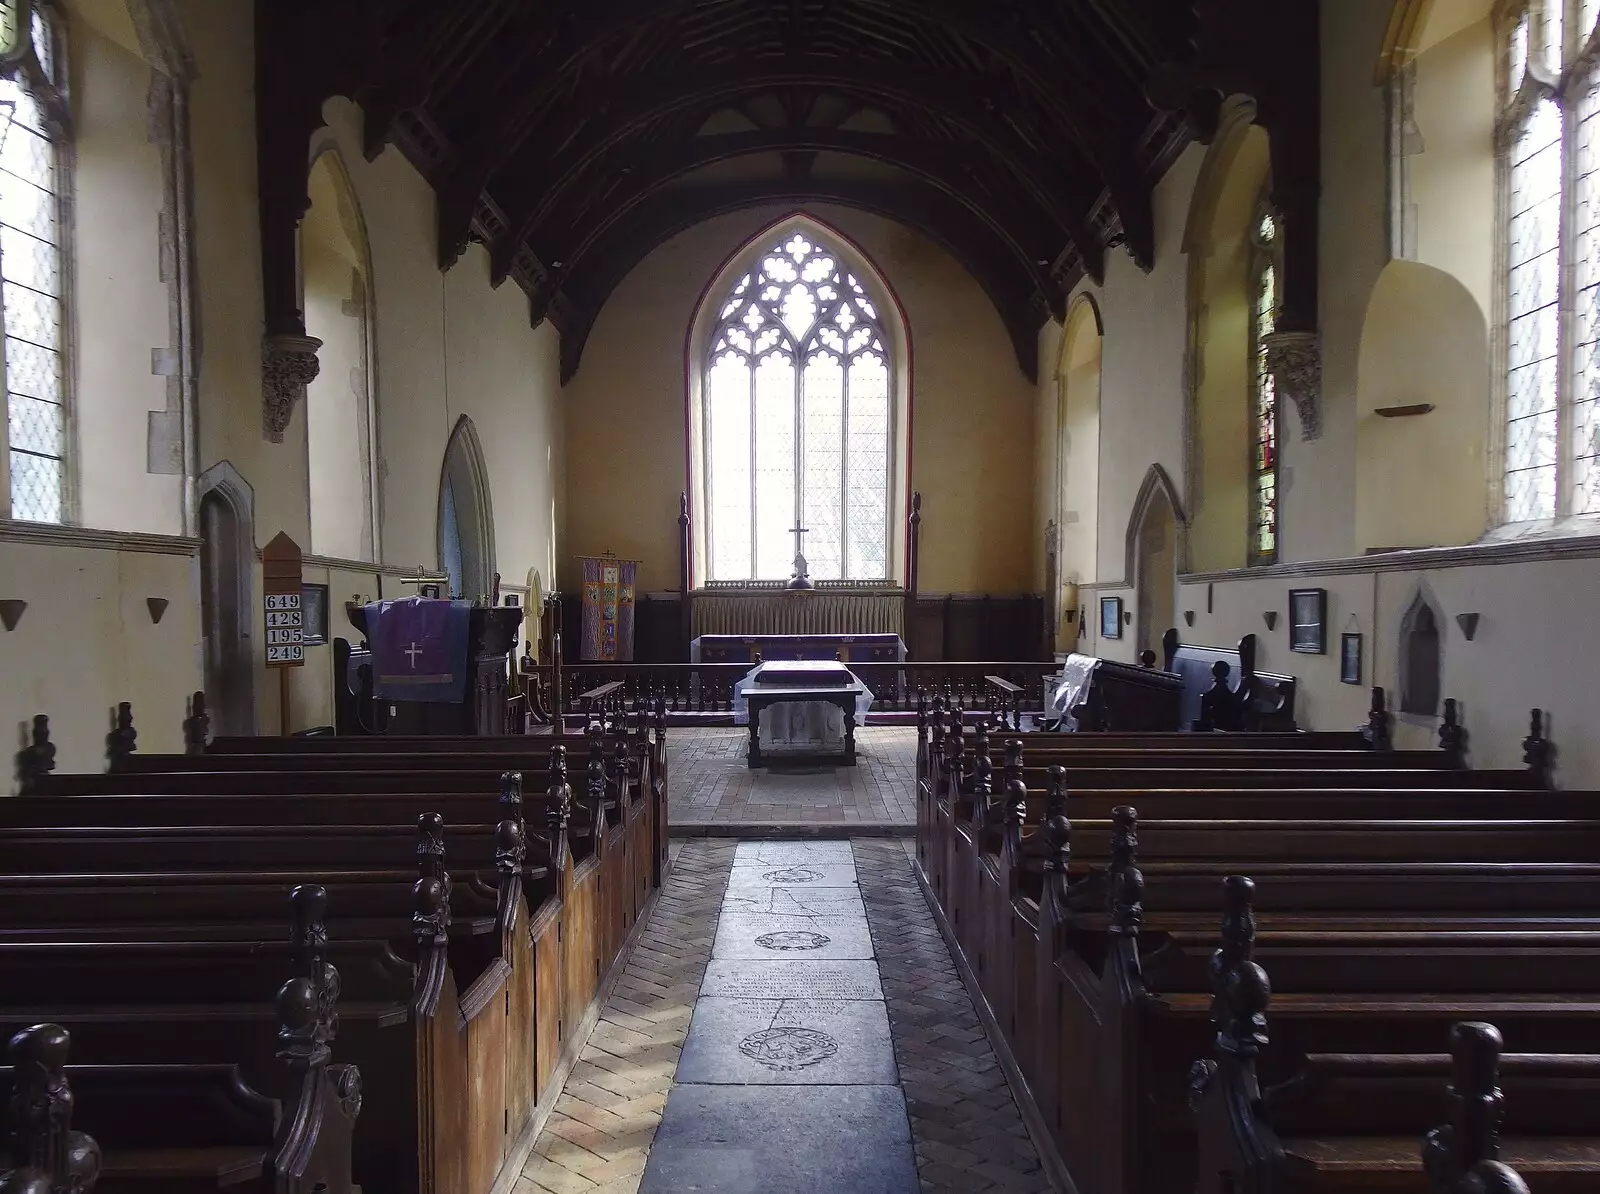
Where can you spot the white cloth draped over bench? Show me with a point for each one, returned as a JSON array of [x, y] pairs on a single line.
[[804, 611]]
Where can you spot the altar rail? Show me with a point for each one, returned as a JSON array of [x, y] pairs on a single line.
[[708, 687]]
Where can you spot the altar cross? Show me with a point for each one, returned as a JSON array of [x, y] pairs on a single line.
[[802, 575]]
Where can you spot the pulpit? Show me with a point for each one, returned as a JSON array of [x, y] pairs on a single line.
[[492, 636]]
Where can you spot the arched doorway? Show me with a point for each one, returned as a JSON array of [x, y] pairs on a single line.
[[227, 550], [466, 517]]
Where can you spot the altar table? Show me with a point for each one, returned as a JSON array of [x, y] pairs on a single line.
[[803, 682]]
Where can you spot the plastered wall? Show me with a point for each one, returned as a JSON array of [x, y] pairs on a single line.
[[443, 346], [972, 410], [1394, 333]]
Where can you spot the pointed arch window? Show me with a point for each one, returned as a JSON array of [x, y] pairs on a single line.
[[1264, 275], [1548, 149], [797, 414], [34, 125]]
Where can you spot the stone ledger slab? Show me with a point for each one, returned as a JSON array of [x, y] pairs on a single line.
[[792, 875], [787, 1042], [756, 853], [790, 979], [788, 901], [782, 1140], [804, 938]]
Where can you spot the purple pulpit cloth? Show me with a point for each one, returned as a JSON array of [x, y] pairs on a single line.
[[419, 649]]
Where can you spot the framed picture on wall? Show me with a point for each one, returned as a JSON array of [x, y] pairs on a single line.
[[314, 610], [1111, 617], [1350, 659], [1308, 615]]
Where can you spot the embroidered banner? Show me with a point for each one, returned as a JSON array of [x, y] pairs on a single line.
[[608, 607], [419, 649]]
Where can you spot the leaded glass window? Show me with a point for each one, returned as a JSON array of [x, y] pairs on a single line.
[[1550, 168], [32, 124], [797, 407], [1263, 394]]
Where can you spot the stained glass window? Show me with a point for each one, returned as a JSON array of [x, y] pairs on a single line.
[[1550, 162], [31, 278], [1264, 396], [797, 405]]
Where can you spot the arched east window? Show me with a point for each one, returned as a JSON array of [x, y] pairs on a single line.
[[1263, 390], [34, 123], [797, 415], [1548, 147]]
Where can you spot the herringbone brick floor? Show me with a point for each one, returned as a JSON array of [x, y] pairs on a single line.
[[599, 1134], [968, 1132], [712, 785]]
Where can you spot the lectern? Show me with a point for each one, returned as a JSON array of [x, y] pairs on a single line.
[[492, 636]]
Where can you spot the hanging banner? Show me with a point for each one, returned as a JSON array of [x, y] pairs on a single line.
[[608, 608]]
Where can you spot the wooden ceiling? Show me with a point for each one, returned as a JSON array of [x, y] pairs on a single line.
[[571, 138]]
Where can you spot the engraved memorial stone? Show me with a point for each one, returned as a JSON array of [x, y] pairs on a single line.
[[790, 941], [788, 1048], [788, 978]]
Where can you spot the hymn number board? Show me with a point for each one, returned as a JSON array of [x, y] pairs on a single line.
[[283, 603]]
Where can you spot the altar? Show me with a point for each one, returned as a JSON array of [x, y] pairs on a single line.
[[844, 648], [802, 707]]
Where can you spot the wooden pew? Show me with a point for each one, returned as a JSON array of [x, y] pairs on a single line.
[[1489, 930], [46, 1154], [1350, 1121], [499, 1038], [197, 1125]]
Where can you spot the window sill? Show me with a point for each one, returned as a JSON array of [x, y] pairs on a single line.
[[56, 535]]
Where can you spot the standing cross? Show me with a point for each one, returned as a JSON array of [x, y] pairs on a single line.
[[414, 651], [802, 574]]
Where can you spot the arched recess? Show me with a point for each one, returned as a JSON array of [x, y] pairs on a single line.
[[1421, 656], [890, 315], [1424, 342], [227, 597], [1078, 442], [466, 515], [1156, 487], [1220, 246], [1154, 556], [341, 409]]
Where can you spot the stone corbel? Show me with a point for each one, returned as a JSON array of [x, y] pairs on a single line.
[[1295, 361], [288, 365]]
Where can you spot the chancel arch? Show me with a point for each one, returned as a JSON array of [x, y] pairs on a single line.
[[1078, 443], [341, 440], [798, 413], [466, 515], [1233, 244]]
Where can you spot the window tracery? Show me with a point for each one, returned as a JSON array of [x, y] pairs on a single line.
[[33, 132], [1547, 147], [797, 414]]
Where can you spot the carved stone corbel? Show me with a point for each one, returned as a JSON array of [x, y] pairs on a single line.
[[288, 365], [1295, 361]]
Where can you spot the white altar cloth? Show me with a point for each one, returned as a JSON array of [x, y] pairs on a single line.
[[796, 725]]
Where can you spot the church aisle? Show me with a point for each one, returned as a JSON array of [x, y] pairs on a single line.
[[832, 1045], [787, 1081]]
